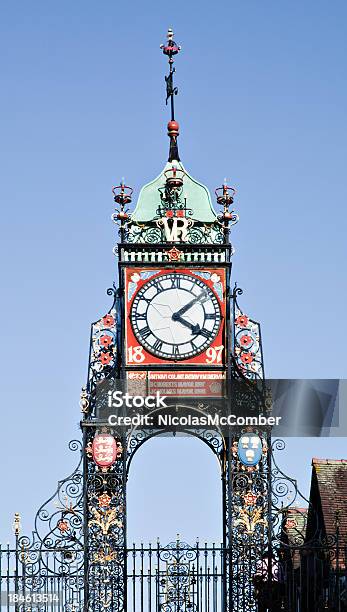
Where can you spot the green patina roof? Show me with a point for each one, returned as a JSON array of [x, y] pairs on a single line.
[[198, 198]]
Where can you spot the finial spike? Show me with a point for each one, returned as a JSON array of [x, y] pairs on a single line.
[[171, 49], [17, 524]]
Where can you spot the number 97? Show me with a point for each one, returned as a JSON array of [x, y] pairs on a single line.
[[214, 354]]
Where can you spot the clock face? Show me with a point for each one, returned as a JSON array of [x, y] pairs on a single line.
[[175, 316]]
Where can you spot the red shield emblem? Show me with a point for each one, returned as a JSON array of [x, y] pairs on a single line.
[[105, 450]]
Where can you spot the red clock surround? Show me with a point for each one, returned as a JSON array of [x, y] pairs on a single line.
[[210, 281]]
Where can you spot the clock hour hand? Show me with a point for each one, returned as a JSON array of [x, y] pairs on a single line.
[[195, 328], [183, 310]]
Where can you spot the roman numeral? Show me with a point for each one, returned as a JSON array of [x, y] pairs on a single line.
[[175, 351], [158, 345], [204, 332], [159, 286], [175, 282], [194, 347], [145, 332], [141, 317], [210, 316]]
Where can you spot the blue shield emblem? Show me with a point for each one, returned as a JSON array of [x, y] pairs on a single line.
[[249, 449]]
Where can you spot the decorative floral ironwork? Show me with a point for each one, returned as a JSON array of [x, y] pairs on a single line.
[[178, 583], [247, 348], [150, 233], [55, 550], [105, 508], [249, 519], [103, 347]]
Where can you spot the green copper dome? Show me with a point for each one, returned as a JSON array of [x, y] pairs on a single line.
[[197, 197]]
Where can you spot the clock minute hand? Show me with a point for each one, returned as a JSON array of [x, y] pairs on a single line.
[[183, 310]]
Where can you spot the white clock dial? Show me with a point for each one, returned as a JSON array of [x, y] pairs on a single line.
[[175, 316]]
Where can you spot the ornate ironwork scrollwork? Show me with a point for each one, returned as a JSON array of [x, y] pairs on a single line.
[[246, 341]]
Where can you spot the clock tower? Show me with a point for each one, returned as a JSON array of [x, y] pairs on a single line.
[[174, 326], [174, 267]]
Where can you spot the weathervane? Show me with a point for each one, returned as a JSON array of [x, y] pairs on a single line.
[[170, 49]]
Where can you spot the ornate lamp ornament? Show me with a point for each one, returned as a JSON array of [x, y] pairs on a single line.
[[225, 197], [122, 195]]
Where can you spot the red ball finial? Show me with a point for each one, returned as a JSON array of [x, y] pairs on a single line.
[[173, 128]]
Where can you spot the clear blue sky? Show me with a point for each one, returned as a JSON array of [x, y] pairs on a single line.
[[262, 101]]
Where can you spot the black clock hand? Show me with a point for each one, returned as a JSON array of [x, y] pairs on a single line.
[[195, 328], [183, 310]]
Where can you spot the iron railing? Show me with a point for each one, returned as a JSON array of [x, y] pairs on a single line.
[[179, 578], [176, 578]]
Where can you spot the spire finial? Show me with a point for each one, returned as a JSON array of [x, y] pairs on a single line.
[[171, 49]]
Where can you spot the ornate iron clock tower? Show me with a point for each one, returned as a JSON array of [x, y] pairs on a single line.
[[175, 327], [176, 320]]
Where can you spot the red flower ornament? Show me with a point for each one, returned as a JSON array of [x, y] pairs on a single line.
[[242, 321], [106, 341], [104, 500], [174, 254], [250, 499], [245, 340], [105, 358], [108, 320], [246, 358], [63, 526]]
